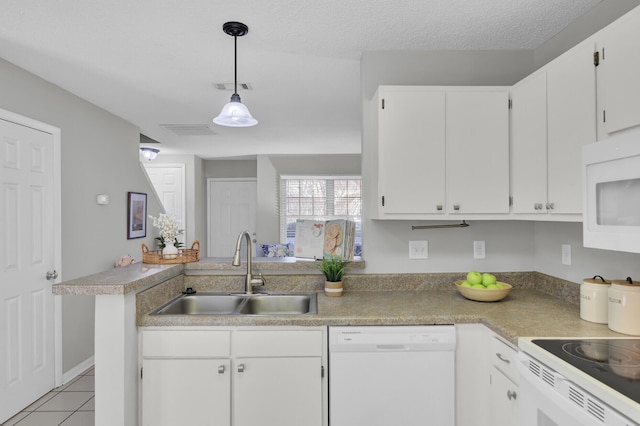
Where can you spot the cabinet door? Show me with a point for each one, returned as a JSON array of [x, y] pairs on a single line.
[[504, 400], [571, 103], [618, 73], [529, 145], [477, 152], [411, 151], [186, 392], [277, 391]]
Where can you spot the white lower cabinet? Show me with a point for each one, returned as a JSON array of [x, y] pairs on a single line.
[[235, 376], [486, 378], [503, 409]]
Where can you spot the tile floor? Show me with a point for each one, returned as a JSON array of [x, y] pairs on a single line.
[[69, 405]]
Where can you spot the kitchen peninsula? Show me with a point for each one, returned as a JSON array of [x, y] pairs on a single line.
[[539, 305]]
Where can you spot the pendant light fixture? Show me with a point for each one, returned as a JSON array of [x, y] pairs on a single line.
[[235, 113]]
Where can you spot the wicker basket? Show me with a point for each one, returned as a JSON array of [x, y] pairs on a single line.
[[184, 255]]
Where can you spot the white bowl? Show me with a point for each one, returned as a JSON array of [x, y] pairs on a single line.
[[484, 294]]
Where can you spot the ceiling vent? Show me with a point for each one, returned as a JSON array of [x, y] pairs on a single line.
[[189, 129], [229, 86]]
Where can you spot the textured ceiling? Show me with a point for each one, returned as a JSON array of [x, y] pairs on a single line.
[[154, 62]]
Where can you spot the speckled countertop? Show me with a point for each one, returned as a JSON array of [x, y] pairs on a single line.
[[538, 305]]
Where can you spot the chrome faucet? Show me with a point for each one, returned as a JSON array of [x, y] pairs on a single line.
[[250, 281]]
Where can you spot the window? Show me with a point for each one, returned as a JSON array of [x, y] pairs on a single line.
[[319, 198]]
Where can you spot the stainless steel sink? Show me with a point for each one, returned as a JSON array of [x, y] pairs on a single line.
[[241, 304], [194, 304], [281, 304]]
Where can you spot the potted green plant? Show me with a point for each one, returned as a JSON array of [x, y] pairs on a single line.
[[333, 269]]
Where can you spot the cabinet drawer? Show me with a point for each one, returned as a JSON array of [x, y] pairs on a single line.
[[277, 343], [186, 344], [504, 357]]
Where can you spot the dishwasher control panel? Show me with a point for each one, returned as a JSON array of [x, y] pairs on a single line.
[[436, 337]]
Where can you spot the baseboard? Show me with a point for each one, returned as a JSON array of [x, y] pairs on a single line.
[[67, 376]]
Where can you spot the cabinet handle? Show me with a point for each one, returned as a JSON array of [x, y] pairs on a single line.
[[221, 369], [537, 206], [241, 368], [439, 207], [550, 206], [511, 395], [501, 358], [456, 207]]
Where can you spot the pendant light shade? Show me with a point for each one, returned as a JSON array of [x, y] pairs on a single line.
[[235, 113]]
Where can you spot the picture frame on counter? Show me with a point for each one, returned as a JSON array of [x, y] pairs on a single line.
[[136, 215]]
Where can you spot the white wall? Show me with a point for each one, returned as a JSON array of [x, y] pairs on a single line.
[[99, 156]]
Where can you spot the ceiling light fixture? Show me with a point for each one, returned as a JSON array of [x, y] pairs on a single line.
[[149, 153], [235, 113]]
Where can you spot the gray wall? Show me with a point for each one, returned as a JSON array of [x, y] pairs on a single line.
[[591, 22], [99, 154]]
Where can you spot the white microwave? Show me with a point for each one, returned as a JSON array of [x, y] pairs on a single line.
[[611, 193]]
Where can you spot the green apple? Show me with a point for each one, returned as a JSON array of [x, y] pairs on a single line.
[[488, 279], [465, 284], [500, 285], [474, 277], [493, 287], [478, 286]]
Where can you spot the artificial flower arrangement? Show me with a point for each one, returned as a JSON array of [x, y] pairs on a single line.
[[167, 226]]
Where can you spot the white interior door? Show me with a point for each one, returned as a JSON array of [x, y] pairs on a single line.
[[231, 210], [29, 223], [168, 180]]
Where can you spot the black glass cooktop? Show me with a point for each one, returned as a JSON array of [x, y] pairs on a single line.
[[614, 362]]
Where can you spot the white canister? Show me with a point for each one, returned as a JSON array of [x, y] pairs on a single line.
[[624, 306], [594, 299]]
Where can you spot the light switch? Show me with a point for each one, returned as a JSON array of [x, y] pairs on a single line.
[[102, 199], [479, 251]]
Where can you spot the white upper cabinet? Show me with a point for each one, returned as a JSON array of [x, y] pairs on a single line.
[[618, 74], [411, 157], [553, 117], [477, 151], [571, 121], [529, 144], [441, 150]]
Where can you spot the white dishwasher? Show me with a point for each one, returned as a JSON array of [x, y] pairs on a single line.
[[392, 375]]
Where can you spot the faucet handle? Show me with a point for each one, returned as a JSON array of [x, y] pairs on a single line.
[[258, 280]]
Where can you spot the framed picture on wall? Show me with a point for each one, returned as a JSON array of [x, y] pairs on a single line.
[[136, 215]]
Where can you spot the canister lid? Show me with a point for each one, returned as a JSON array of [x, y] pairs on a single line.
[[597, 279], [628, 282]]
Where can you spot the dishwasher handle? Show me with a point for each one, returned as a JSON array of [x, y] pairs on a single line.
[[393, 347]]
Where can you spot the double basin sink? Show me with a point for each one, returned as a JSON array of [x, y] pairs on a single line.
[[207, 303]]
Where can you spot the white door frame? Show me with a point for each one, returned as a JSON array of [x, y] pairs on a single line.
[[209, 182], [55, 132]]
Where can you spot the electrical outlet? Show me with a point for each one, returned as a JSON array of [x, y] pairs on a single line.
[[418, 249], [479, 251], [566, 254]]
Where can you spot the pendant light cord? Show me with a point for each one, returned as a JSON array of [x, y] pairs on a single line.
[[235, 64]]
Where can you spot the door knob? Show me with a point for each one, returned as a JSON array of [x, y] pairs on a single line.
[[51, 275]]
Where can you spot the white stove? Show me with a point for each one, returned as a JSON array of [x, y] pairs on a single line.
[[581, 382]]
